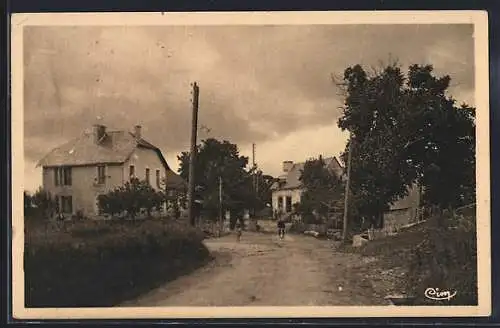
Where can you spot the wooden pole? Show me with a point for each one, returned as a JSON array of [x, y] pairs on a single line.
[[192, 157], [220, 204], [254, 177], [347, 190]]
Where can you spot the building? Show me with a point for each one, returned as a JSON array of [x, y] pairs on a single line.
[[403, 211], [77, 172], [287, 191], [288, 188]]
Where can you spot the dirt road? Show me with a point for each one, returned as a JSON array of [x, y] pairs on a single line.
[[262, 270]]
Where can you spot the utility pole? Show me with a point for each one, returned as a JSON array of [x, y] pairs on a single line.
[[220, 204], [347, 190], [254, 175], [253, 154], [192, 157]]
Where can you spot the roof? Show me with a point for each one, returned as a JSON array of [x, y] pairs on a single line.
[[115, 148], [291, 180], [174, 180]]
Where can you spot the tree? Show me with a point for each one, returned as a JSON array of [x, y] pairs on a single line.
[[45, 204], [445, 158], [28, 204], [216, 159], [263, 192], [323, 190], [406, 130], [135, 195]]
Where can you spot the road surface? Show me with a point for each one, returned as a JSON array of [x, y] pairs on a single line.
[[262, 270]]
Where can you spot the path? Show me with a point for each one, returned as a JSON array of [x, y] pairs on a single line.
[[262, 270]]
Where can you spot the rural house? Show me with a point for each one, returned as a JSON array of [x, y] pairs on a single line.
[[403, 211], [287, 190], [77, 172]]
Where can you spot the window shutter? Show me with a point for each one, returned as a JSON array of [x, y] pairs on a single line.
[[56, 176]]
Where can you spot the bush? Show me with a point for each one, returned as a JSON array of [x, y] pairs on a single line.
[[131, 198], [439, 253], [40, 205], [103, 263], [298, 227], [445, 259]]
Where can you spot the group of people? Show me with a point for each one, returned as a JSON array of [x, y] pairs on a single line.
[[281, 230]]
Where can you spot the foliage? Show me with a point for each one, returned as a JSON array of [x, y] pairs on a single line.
[[323, 191], [447, 259], [405, 130], [41, 202], [221, 159], [28, 204], [263, 192], [439, 253], [105, 262], [132, 197]]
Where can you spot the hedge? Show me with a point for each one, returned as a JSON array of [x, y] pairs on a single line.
[[103, 263]]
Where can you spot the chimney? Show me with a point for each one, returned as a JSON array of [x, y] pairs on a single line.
[[99, 132], [287, 166], [137, 130]]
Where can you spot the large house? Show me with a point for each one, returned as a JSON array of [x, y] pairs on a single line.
[[288, 188], [77, 172]]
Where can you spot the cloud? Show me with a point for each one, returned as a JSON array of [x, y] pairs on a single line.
[[263, 84]]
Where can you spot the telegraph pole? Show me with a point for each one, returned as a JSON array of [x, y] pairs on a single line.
[[220, 204], [254, 176], [192, 157], [347, 190]]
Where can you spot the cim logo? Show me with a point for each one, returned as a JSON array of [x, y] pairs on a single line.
[[439, 295]]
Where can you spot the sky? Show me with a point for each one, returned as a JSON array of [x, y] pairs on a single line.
[[268, 85]]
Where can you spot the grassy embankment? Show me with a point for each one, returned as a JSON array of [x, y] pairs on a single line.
[[440, 253], [103, 263]]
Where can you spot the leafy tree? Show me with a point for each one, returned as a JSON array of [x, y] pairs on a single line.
[[445, 158], [28, 205], [405, 130], [323, 190], [263, 192], [216, 159], [45, 204], [135, 195]]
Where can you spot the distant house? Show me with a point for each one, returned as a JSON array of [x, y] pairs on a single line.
[[77, 172], [405, 210], [288, 188]]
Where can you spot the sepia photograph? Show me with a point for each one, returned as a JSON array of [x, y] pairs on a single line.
[[180, 165]]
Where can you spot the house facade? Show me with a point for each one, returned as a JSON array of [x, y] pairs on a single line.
[[288, 188], [405, 210], [77, 172]]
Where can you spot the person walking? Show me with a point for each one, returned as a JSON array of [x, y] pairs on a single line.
[[238, 232], [281, 229]]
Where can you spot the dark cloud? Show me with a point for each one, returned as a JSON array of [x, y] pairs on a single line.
[[257, 83]]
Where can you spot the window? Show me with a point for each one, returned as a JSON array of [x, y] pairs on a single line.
[[280, 202], [147, 176], [62, 176], [67, 204], [288, 207], [101, 174], [158, 182], [56, 176], [132, 171]]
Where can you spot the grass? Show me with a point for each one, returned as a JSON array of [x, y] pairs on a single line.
[[104, 263], [440, 253]]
